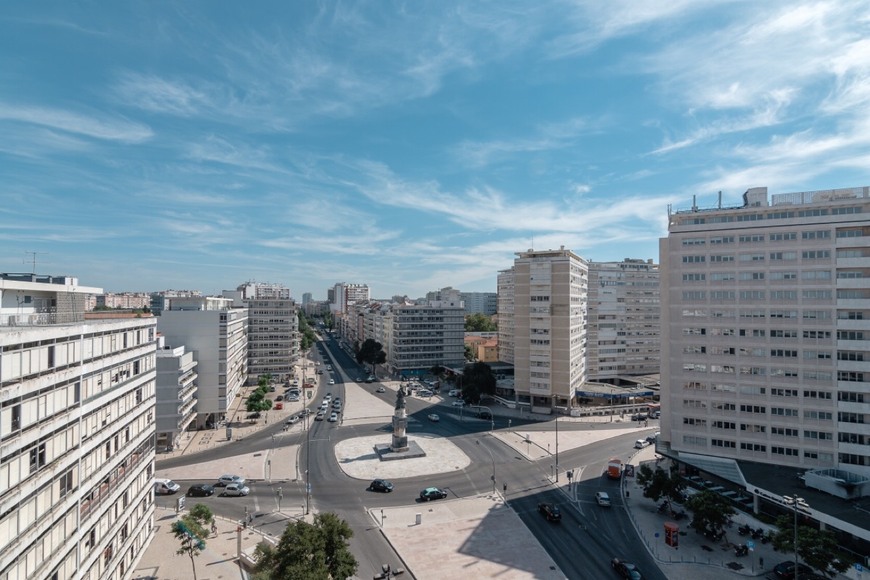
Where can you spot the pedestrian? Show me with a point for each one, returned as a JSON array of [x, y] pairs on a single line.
[[214, 528], [505, 487]]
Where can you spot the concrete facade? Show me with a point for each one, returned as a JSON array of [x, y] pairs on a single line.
[[176, 393], [77, 432]]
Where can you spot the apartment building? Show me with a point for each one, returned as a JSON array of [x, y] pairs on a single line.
[[766, 330], [419, 337], [77, 433], [273, 329], [217, 334], [505, 286], [549, 327], [176, 393], [480, 302], [624, 328], [344, 294]]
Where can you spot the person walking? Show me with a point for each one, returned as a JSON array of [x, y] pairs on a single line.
[[505, 488]]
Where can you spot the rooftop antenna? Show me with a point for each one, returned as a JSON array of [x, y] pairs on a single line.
[[32, 259]]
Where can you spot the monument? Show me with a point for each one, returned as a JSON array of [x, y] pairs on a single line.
[[400, 447]]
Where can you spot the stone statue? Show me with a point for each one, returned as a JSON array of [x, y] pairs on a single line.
[[400, 399]]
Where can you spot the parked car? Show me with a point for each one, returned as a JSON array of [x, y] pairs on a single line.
[[254, 415], [652, 438], [484, 414], [459, 403], [434, 417], [236, 489], [786, 570], [331, 381], [431, 493], [381, 485], [292, 420], [305, 412], [641, 443], [379, 389], [602, 498], [227, 479], [625, 569], [200, 490], [424, 393], [333, 417], [279, 398], [454, 392], [550, 511], [639, 417]]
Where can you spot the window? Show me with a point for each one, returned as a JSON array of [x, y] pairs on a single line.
[[724, 425], [722, 276], [695, 277], [851, 397], [783, 275], [783, 256], [787, 451], [819, 415], [815, 254], [779, 352], [722, 258], [750, 428], [723, 443], [753, 409], [783, 412], [694, 241], [694, 259], [817, 315], [751, 238], [752, 275], [751, 257], [819, 435], [694, 295], [810, 394], [66, 483], [816, 235], [752, 295], [753, 447], [783, 236]]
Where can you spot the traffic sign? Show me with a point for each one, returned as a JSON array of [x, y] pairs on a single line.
[[750, 544]]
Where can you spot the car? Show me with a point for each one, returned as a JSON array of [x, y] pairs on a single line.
[[431, 493], [200, 490], [370, 380], [279, 406], [327, 397], [227, 479], [319, 416], [305, 412], [786, 570], [434, 418], [319, 371], [293, 399], [236, 489], [381, 485], [626, 569], [454, 393], [424, 393], [337, 407], [652, 438], [459, 403], [379, 389], [333, 417], [329, 367], [641, 443], [331, 381], [484, 414], [279, 398], [550, 511], [602, 498], [254, 415], [272, 389], [292, 420], [639, 417]]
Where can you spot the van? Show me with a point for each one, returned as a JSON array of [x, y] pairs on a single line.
[[641, 443], [165, 487], [602, 498]]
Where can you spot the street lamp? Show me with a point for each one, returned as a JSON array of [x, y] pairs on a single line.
[[795, 502], [492, 477], [307, 466], [611, 405], [557, 438]]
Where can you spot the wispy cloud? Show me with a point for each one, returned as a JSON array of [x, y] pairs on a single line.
[[96, 126]]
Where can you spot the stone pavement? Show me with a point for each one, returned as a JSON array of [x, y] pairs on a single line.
[[452, 537]]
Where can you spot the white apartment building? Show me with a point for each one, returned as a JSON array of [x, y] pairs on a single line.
[[273, 329], [77, 433], [480, 302], [505, 286], [176, 393], [549, 332], [766, 334], [218, 337], [345, 294], [419, 337], [623, 320]]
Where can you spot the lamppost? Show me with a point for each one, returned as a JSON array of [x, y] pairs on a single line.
[[611, 405], [557, 438], [307, 466], [795, 502], [492, 477]]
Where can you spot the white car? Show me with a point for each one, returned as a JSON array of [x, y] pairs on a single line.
[[331, 381], [227, 479], [236, 489], [380, 390], [434, 418], [333, 418], [459, 403]]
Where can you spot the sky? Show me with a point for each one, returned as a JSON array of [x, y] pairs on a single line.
[[407, 145]]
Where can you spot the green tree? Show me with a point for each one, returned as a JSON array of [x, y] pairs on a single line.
[[371, 352], [710, 512], [316, 551], [658, 483], [191, 530], [479, 323], [816, 548], [469, 353], [258, 401], [477, 381]]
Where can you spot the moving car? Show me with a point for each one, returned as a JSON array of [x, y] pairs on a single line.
[[459, 403], [319, 416], [305, 412], [641, 443], [626, 569], [227, 479], [380, 389], [200, 490], [602, 498], [454, 392], [434, 417], [785, 570], [333, 417], [431, 493], [165, 487], [331, 381], [550, 511], [236, 489], [292, 420], [381, 485]]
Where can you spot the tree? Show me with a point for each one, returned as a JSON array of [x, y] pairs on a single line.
[[477, 380], [371, 352], [258, 401], [479, 323], [191, 530], [710, 513], [816, 548], [316, 551], [469, 354], [659, 483]]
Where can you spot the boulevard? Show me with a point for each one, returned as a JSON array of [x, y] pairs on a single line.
[[581, 546]]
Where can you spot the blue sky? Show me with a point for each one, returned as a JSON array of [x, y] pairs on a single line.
[[406, 145]]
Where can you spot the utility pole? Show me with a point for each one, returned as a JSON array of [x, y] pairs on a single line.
[[32, 260]]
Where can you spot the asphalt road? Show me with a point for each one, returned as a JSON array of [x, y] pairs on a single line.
[[582, 544]]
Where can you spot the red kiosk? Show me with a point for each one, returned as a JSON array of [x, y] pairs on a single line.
[[672, 534]]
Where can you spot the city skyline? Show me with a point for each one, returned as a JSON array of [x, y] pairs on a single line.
[[408, 147]]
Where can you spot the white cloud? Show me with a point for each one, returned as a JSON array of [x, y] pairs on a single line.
[[96, 126]]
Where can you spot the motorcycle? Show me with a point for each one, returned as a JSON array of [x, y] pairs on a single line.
[[744, 530], [741, 550], [757, 534]]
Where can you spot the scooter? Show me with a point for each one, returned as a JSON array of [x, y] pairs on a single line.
[[741, 550], [744, 530], [758, 534]]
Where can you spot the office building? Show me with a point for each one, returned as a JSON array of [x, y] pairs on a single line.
[[176, 393], [480, 302], [623, 320], [77, 432], [549, 330]]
